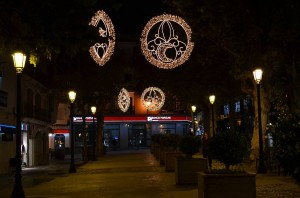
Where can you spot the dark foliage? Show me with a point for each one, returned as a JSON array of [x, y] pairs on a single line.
[[190, 144], [229, 147], [170, 140], [286, 142]]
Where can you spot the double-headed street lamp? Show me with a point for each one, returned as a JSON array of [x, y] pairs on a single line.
[[19, 63], [193, 112], [212, 100], [72, 96], [261, 166], [93, 110]]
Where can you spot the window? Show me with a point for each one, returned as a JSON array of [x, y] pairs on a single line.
[[167, 128], [237, 106], [226, 109]]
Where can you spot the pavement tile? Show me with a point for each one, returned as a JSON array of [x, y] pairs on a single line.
[[128, 173]]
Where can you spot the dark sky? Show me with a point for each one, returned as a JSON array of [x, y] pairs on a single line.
[[130, 17]]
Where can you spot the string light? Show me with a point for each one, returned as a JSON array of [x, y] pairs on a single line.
[[163, 47], [124, 100], [153, 98], [102, 51]]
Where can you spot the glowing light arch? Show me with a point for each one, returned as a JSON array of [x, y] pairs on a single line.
[[153, 98], [102, 51], [165, 49], [124, 100]]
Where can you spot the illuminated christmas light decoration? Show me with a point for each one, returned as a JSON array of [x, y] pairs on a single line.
[[102, 51], [166, 41], [124, 100], [153, 98]]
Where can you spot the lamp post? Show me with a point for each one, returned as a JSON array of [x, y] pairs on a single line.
[[212, 100], [93, 110], [19, 63], [261, 166], [193, 110], [72, 96]]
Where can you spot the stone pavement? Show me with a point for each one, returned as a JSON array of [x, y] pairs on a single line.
[[130, 173]]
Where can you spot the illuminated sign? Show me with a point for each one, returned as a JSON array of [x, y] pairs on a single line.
[[61, 131], [87, 119], [147, 119], [7, 128], [24, 127], [158, 118]]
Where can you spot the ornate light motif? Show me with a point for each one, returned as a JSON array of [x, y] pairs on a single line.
[[102, 51], [153, 98], [124, 100], [166, 47]]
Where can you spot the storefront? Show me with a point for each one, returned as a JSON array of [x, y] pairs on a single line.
[[121, 132], [59, 142], [24, 143], [7, 144]]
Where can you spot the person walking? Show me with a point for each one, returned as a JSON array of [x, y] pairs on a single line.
[[205, 149]]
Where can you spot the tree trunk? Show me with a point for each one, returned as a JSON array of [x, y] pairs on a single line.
[[84, 133], [100, 145]]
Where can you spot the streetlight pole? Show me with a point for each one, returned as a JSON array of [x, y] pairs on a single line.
[[93, 110], [72, 96], [212, 100], [19, 63], [261, 166], [193, 112]]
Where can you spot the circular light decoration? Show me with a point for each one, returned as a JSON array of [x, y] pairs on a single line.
[[124, 100], [102, 51], [166, 41], [153, 98]]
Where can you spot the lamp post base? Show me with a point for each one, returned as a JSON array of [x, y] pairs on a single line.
[[72, 168], [94, 155], [18, 191], [261, 168]]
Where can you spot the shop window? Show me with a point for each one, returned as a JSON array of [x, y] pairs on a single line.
[[167, 128]]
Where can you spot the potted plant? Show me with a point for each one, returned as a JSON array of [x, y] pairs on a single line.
[[229, 148], [155, 144], [170, 151], [187, 166], [190, 145]]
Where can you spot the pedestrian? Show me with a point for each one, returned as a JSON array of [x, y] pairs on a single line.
[[205, 149], [23, 154]]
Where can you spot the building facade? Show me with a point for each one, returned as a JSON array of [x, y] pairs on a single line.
[[37, 113]]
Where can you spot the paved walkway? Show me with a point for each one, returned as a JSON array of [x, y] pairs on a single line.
[[126, 174]]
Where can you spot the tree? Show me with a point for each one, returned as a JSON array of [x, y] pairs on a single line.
[[238, 36]]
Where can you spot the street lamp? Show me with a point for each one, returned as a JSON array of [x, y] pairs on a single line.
[[93, 110], [193, 110], [19, 63], [212, 100], [257, 77], [72, 96]]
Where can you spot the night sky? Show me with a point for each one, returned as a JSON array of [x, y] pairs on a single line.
[[131, 17]]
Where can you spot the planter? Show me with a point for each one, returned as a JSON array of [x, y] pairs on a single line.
[[237, 185], [156, 150], [186, 169], [152, 148], [162, 153], [170, 160]]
